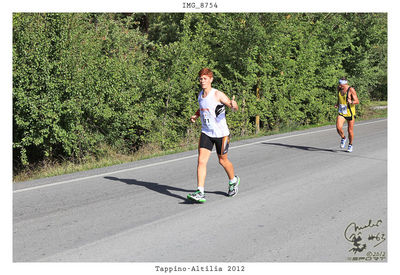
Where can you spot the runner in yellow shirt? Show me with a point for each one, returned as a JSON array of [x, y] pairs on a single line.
[[346, 104]]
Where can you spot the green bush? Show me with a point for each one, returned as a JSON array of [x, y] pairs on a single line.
[[81, 81]]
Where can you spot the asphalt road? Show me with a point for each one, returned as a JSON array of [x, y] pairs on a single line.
[[301, 198]]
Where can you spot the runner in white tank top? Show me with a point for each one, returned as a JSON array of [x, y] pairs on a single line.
[[212, 113], [214, 131]]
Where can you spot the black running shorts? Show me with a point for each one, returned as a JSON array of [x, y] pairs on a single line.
[[348, 118], [221, 144]]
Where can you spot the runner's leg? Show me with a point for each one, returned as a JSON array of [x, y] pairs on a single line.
[[228, 166], [350, 130], [339, 126], [204, 155], [222, 147]]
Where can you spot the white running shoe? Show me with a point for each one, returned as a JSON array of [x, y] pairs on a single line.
[[350, 148], [343, 143]]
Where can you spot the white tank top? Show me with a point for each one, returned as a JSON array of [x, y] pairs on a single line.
[[212, 113]]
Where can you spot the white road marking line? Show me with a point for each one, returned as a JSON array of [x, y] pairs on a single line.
[[178, 159]]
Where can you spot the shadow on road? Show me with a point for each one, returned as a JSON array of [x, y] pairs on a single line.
[[162, 189], [306, 148]]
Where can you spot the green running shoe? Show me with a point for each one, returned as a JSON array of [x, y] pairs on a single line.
[[234, 187], [197, 196]]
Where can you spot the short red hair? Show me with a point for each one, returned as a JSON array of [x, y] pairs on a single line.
[[206, 71]]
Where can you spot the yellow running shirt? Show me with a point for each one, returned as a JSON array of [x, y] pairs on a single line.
[[345, 109]]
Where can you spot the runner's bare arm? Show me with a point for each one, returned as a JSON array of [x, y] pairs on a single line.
[[337, 102], [223, 98], [353, 98]]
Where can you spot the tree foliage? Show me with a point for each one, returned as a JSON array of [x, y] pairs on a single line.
[[125, 80]]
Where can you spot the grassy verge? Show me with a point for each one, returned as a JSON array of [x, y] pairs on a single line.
[[50, 169], [374, 109]]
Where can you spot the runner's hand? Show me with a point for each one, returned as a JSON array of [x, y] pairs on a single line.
[[193, 118], [234, 105]]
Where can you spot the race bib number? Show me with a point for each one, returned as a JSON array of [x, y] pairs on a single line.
[[207, 120], [343, 109]]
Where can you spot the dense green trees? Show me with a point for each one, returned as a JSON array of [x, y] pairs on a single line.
[[81, 81]]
